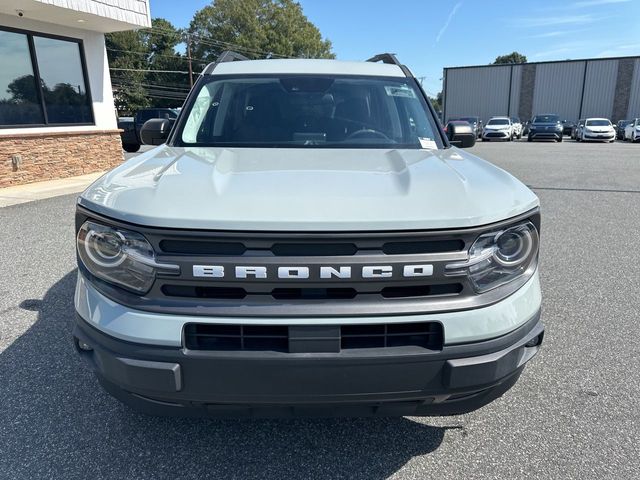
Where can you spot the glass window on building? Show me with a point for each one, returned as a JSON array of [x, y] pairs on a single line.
[[62, 80], [51, 91], [19, 98]]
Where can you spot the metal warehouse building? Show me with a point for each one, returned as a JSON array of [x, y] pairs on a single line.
[[602, 87]]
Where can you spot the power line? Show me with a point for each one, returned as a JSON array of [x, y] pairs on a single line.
[[217, 43], [181, 91], [148, 70], [151, 55]]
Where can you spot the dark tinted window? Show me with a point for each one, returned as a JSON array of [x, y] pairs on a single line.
[[65, 93], [598, 122], [498, 121], [546, 119], [19, 101], [318, 111], [144, 115]]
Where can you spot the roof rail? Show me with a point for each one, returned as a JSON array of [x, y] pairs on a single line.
[[226, 56], [385, 58], [390, 58]]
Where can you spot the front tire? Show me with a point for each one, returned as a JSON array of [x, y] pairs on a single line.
[[130, 148], [529, 139], [560, 139]]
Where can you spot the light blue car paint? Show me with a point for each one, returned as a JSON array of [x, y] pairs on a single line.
[[297, 189], [150, 328]]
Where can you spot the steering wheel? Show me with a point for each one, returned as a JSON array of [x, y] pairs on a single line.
[[367, 133]]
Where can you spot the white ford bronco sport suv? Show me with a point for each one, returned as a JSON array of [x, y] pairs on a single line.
[[307, 241]]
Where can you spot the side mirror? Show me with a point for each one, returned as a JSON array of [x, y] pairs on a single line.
[[461, 136], [156, 131]]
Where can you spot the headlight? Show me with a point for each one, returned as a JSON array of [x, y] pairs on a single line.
[[500, 257], [119, 256]]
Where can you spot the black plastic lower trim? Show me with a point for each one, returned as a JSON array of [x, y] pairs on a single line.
[[354, 382]]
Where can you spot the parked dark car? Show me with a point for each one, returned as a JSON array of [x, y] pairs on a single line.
[[545, 127], [131, 126], [475, 122], [620, 126], [567, 127]]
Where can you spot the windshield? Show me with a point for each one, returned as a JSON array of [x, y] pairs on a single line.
[[309, 111], [468, 119], [498, 121], [546, 119], [598, 123]]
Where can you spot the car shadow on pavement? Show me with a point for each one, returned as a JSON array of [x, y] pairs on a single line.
[[56, 422]]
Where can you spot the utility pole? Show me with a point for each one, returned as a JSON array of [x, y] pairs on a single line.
[[189, 60]]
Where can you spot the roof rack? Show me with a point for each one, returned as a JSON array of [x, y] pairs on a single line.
[[385, 58], [226, 56], [390, 58]]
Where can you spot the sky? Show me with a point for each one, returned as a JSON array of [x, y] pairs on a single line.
[[430, 35]]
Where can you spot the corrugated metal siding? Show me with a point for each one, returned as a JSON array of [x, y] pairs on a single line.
[[477, 91], [558, 89], [634, 100], [599, 88], [516, 82]]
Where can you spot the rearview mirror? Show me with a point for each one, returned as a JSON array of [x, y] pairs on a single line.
[[156, 131], [461, 136]]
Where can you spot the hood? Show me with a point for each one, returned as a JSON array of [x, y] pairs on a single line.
[[307, 189]]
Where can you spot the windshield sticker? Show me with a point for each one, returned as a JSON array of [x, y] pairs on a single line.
[[427, 143], [402, 91]]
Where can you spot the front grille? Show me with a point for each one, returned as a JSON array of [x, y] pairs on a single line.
[[402, 291], [359, 274], [317, 339], [236, 337], [422, 334], [204, 247]]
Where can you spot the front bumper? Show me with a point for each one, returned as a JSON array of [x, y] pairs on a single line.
[[384, 381], [496, 135], [600, 136], [545, 134]]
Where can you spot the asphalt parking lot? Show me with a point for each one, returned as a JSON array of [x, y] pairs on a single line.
[[575, 412]]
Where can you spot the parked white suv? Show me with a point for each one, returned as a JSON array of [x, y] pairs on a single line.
[[632, 131], [498, 128], [517, 127], [597, 129]]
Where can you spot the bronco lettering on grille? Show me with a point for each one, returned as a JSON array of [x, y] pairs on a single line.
[[318, 272]]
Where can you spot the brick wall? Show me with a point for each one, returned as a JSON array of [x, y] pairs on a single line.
[[47, 156]]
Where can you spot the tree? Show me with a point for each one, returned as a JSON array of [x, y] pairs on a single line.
[[513, 57], [152, 49], [126, 52], [256, 28], [437, 102]]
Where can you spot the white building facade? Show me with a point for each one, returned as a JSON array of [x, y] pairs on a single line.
[[57, 117]]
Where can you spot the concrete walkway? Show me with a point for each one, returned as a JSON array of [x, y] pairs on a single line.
[[41, 190]]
